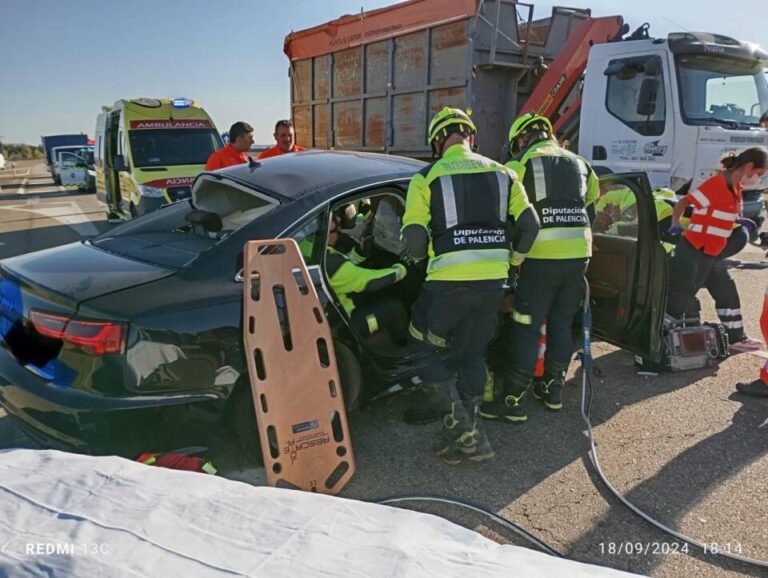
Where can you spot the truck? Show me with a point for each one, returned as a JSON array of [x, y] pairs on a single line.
[[149, 151], [53, 141], [667, 107]]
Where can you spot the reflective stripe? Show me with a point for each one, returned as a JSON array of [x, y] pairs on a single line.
[[415, 333], [696, 228], [464, 257], [701, 198], [733, 324], [504, 185], [561, 233], [728, 312], [718, 232], [521, 318], [373, 323], [539, 182], [435, 339], [584, 173], [449, 202], [723, 215]]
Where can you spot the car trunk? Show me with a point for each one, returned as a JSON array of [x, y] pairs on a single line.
[[40, 296]]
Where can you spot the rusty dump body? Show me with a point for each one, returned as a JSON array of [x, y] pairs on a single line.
[[372, 81]]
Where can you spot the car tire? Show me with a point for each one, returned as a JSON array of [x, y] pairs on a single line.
[[241, 414]]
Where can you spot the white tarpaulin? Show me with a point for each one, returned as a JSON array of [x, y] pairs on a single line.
[[70, 515]]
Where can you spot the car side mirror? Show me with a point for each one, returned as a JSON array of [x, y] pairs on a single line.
[[646, 100], [120, 163]]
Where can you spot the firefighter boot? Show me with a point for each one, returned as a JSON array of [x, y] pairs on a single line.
[[460, 437], [549, 389], [508, 404]]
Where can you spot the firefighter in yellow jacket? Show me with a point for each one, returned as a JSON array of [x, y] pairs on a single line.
[[550, 287], [458, 210]]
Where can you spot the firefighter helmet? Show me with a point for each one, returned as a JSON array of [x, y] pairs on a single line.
[[449, 117], [527, 123]]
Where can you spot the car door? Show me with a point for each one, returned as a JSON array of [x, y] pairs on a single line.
[[627, 273]]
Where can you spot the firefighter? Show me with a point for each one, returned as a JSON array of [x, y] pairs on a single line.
[[456, 216], [353, 285], [561, 186], [698, 257]]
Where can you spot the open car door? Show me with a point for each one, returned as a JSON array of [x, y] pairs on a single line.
[[628, 270]]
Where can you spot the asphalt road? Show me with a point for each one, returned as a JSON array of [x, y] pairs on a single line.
[[683, 447]]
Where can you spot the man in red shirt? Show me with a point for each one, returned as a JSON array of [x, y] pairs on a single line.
[[286, 141], [240, 140]]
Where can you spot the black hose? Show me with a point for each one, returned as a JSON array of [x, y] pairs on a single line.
[[586, 405], [501, 520]]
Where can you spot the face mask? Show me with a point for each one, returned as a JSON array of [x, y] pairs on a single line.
[[752, 182]]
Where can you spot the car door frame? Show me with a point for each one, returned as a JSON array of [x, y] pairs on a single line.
[[646, 292]]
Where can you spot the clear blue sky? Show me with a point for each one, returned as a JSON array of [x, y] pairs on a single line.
[[62, 60]]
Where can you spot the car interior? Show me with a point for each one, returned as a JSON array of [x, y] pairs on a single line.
[[369, 230]]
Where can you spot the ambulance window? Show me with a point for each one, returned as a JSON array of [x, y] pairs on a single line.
[[628, 80]]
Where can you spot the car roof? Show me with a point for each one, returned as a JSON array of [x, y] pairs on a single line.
[[296, 175]]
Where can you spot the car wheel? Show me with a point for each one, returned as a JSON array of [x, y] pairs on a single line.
[[242, 414], [350, 375]]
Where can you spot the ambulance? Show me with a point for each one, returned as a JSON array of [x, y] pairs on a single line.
[[149, 151]]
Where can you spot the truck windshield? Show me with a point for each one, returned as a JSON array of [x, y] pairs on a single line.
[[169, 147], [720, 90]]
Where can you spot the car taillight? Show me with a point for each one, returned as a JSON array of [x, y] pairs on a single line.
[[94, 337]]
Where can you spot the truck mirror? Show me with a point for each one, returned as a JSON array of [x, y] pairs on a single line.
[[120, 164], [646, 100]]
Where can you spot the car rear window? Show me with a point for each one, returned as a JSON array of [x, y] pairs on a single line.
[[167, 248]]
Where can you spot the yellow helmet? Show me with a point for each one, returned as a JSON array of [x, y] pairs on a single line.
[[447, 117], [527, 123]]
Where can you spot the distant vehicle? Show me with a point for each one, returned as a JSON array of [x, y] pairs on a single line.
[[2, 162], [101, 341], [56, 155], [149, 151], [56, 140], [73, 169]]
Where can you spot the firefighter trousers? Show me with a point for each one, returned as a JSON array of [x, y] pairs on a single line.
[[551, 289], [453, 322]]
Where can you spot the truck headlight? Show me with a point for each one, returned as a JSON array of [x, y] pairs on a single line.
[[151, 192]]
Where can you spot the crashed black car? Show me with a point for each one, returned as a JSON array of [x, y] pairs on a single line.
[[133, 339]]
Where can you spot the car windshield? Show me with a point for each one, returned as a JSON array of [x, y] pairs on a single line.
[[720, 90], [169, 147]]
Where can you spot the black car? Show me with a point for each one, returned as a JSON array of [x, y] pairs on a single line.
[[133, 339]]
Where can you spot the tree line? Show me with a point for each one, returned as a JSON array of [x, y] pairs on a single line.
[[20, 152]]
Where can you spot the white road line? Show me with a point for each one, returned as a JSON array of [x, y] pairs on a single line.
[[20, 190], [68, 213]]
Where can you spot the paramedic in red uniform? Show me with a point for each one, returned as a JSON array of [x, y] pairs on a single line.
[[285, 137], [717, 207], [240, 140]]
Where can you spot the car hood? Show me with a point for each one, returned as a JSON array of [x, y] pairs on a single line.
[[79, 272]]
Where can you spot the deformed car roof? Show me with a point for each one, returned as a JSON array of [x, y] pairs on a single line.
[[296, 175]]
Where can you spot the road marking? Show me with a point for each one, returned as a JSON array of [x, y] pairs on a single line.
[[67, 213], [20, 190]]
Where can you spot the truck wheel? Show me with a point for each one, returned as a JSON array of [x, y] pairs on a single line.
[[241, 415]]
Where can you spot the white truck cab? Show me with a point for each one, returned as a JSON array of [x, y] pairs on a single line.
[[672, 107]]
